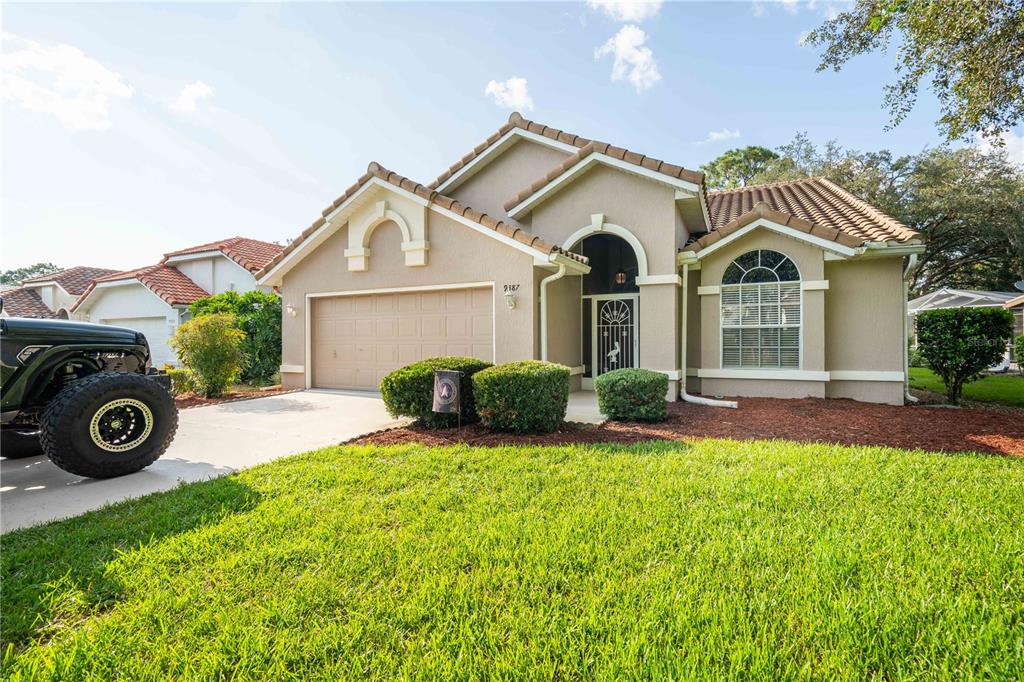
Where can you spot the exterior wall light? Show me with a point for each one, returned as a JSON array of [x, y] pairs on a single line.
[[620, 277], [510, 300], [290, 309]]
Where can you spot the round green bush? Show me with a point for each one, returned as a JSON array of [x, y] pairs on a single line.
[[523, 397], [409, 390], [632, 395]]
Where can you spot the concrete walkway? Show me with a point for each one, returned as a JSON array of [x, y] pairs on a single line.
[[211, 441], [583, 408]]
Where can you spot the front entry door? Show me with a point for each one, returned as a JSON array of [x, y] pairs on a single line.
[[616, 342]]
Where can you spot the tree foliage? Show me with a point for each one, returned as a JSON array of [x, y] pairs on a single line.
[[211, 347], [18, 275], [258, 315], [968, 204], [959, 344], [737, 167], [972, 51]]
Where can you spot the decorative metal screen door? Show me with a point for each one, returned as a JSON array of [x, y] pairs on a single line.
[[615, 339]]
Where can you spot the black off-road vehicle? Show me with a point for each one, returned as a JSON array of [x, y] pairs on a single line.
[[83, 394]]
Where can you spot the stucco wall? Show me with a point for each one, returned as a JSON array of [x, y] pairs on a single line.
[[515, 168], [458, 254], [115, 305], [217, 275], [810, 262]]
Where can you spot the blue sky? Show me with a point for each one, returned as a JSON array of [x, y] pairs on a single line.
[[134, 129]]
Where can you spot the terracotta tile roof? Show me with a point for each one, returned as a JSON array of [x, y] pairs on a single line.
[[515, 120], [25, 303], [251, 254], [168, 283], [73, 280], [508, 228], [763, 210], [620, 153], [815, 201]]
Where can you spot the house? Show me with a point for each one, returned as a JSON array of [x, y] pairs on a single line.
[[154, 299], [50, 295], [542, 244]]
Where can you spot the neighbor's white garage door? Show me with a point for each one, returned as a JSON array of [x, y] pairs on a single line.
[[155, 329], [356, 340]]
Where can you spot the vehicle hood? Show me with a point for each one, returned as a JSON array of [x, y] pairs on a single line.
[[67, 330]]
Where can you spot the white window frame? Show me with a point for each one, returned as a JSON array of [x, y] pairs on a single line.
[[722, 326]]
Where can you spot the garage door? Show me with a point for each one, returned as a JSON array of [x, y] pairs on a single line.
[[358, 339], [155, 329]]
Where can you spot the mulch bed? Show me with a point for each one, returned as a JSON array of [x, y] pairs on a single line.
[[192, 400], [991, 430]]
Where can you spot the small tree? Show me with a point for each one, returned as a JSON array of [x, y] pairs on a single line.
[[1018, 352], [258, 314], [961, 343], [211, 346]]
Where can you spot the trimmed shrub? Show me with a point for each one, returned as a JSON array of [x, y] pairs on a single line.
[[258, 314], [961, 343], [523, 397], [409, 390], [633, 395], [181, 381], [211, 346]]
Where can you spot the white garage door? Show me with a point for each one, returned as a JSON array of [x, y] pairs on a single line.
[[155, 329], [358, 339]]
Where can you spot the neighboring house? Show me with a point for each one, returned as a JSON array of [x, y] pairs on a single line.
[[50, 295], [543, 244], [154, 299], [965, 298]]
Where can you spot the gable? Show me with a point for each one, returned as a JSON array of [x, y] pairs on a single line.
[[505, 173]]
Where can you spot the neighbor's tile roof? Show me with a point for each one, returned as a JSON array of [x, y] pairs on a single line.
[[167, 282], [73, 280], [515, 120], [620, 153], [251, 254], [25, 303], [816, 201], [375, 170]]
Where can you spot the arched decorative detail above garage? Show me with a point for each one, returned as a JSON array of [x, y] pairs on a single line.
[[413, 227]]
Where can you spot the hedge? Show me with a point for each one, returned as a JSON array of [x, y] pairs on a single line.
[[632, 394], [523, 397], [182, 381], [409, 390]]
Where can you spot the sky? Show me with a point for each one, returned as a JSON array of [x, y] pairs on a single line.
[[130, 130]]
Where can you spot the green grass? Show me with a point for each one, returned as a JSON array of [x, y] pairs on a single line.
[[1005, 389], [715, 559]]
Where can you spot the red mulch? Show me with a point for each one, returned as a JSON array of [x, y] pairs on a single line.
[[992, 430], [193, 400]]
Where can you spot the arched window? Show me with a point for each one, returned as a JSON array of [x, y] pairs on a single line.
[[761, 312]]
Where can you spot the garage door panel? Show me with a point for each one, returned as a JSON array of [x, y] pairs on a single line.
[[357, 340]]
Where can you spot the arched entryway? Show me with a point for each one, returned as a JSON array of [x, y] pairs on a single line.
[[610, 304]]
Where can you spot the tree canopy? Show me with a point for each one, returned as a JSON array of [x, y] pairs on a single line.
[[17, 275], [736, 167], [971, 49]]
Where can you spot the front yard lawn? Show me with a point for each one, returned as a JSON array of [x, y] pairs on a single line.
[[1004, 389], [707, 559]]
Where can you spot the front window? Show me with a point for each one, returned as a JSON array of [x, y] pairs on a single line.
[[761, 312]]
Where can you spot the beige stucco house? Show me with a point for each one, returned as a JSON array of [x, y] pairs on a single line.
[[541, 244]]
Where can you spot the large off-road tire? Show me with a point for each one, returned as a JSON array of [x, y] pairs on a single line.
[[108, 424], [19, 444]]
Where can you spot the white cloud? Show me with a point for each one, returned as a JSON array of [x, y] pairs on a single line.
[[830, 10], [1013, 144], [720, 136], [513, 93], [757, 8], [61, 81], [188, 99], [791, 6], [627, 10], [633, 60]]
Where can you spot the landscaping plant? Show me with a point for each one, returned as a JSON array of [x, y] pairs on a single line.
[[528, 396], [211, 347], [409, 390], [1018, 352], [961, 343], [258, 314], [630, 394], [182, 381]]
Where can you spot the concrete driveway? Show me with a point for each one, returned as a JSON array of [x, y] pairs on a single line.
[[211, 441]]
